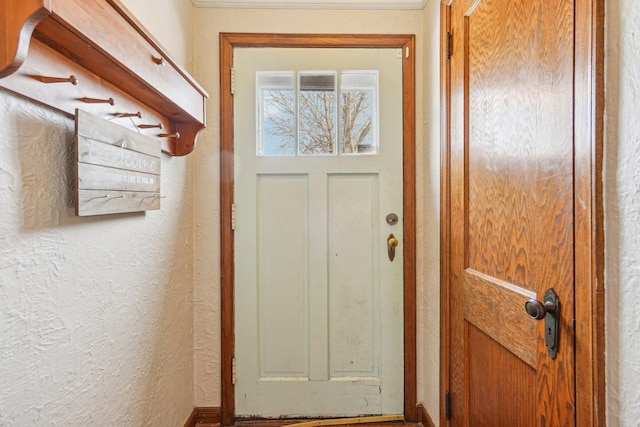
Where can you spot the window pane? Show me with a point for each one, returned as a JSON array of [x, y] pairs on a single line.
[[358, 112], [317, 113], [276, 113]]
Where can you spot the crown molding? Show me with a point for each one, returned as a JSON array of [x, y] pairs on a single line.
[[312, 4]]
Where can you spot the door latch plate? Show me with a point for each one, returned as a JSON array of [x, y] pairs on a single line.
[[551, 320]]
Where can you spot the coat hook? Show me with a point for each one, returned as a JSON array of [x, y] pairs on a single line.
[[109, 101], [119, 115], [159, 126], [159, 60], [71, 79], [155, 196], [98, 197], [169, 135], [107, 196]]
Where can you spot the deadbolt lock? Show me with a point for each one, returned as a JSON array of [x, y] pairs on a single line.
[[392, 219]]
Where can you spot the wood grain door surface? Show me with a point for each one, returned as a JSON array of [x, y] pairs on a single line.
[[512, 210]]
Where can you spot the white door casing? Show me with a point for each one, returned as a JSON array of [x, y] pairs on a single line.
[[318, 306]]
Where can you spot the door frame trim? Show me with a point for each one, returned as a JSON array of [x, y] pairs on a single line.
[[229, 41], [590, 405]]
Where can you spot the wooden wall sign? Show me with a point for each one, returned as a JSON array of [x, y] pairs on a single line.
[[117, 170]]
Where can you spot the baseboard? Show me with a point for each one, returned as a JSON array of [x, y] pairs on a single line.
[[423, 416], [203, 415], [191, 421]]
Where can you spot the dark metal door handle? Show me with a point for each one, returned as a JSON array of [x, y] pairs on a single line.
[[549, 310]]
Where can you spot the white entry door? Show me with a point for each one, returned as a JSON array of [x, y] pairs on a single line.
[[318, 169]]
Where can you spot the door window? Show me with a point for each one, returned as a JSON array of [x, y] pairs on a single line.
[[300, 114]]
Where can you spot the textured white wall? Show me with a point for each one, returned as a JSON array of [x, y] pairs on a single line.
[[209, 22], [428, 315], [96, 314], [622, 212]]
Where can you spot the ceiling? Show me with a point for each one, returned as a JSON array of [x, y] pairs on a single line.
[[312, 4]]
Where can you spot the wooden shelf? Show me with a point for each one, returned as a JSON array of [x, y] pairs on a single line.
[[111, 56]]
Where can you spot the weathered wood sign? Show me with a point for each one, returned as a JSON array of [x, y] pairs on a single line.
[[117, 170]]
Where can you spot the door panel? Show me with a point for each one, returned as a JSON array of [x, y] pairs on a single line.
[[354, 255], [491, 304], [314, 336], [282, 216], [512, 210], [490, 403]]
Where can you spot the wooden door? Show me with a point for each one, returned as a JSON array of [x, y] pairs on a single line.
[[318, 318], [512, 211]]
